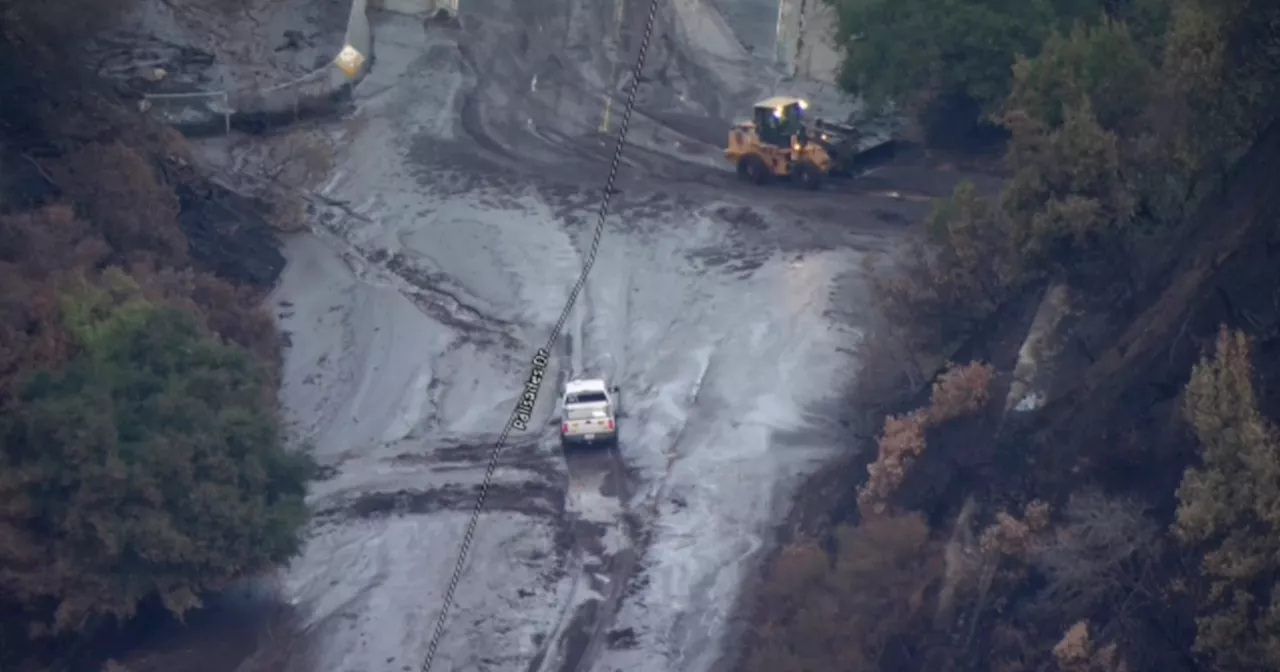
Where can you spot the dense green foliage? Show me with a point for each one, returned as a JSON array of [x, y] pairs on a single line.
[[939, 60], [148, 464], [1114, 137], [904, 49], [957, 57]]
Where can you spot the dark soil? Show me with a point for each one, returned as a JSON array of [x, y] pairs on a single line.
[[533, 498], [229, 236]]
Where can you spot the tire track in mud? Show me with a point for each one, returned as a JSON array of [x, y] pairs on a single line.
[[427, 291], [534, 498], [470, 115], [604, 543], [471, 120], [621, 565], [605, 570], [601, 553], [581, 155], [585, 152], [605, 548]]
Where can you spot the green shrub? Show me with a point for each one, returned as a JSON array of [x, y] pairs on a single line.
[[1069, 198], [1229, 506], [932, 57], [1103, 64], [150, 464], [951, 278]]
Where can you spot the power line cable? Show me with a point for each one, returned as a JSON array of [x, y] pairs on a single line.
[[516, 420]]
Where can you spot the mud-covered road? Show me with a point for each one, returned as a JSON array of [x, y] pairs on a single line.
[[455, 220]]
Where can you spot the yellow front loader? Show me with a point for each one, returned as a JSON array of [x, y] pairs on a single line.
[[780, 142]]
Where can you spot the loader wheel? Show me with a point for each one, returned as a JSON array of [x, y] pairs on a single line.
[[752, 169], [807, 175]]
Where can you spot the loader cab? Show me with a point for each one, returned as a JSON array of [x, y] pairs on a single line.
[[778, 119]]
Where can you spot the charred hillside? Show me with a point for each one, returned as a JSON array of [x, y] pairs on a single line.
[[1070, 440], [1227, 274]]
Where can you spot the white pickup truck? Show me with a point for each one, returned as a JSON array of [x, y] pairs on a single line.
[[589, 413]]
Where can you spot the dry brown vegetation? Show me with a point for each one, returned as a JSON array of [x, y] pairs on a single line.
[[891, 595], [875, 587], [959, 391], [118, 190], [116, 212], [299, 160], [1077, 653], [1131, 522]]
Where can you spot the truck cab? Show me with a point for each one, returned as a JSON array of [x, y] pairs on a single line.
[[589, 414], [779, 119], [776, 143]]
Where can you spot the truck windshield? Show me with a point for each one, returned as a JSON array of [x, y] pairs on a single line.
[[792, 121], [585, 398]]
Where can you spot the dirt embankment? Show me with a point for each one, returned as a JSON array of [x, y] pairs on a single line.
[[227, 235]]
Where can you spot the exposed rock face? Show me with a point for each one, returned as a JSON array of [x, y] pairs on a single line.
[[1038, 349]]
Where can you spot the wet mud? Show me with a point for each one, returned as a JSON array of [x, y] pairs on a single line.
[[530, 497], [527, 119], [605, 552]]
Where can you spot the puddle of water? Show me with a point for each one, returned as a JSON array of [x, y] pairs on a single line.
[[614, 540], [586, 500]]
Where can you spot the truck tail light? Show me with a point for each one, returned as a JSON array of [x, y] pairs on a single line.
[[610, 425], [564, 429]]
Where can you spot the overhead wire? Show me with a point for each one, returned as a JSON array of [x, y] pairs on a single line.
[[468, 536]]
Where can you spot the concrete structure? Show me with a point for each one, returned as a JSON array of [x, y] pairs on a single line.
[[215, 112], [806, 44], [428, 7]]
